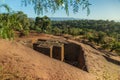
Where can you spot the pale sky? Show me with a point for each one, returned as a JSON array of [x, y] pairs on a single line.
[[100, 9]]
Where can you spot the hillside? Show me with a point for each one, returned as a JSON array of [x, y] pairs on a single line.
[[103, 64], [18, 62]]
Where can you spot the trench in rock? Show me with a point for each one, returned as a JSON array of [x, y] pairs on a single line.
[[70, 53]]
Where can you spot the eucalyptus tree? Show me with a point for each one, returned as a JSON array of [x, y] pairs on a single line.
[[41, 6]]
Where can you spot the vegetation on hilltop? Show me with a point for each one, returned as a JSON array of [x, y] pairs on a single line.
[[11, 22], [101, 32], [40, 6]]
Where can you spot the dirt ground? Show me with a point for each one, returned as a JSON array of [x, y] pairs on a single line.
[[22, 63], [100, 63], [18, 62]]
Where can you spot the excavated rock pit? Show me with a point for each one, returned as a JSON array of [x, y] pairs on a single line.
[[68, 52], [74, 55]]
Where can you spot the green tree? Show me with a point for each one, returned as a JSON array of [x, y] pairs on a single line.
[[43, 23], [109, 41], [115, 46], [74, 31], [11, 22], [56, 31], [46, 23], [32, 24], [24, 22], [100, 37]]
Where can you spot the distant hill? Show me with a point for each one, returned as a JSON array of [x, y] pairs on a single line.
[[68, 18], [61, 18]]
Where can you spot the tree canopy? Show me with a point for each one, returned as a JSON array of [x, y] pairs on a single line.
[[41, 6], [43, 23]]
